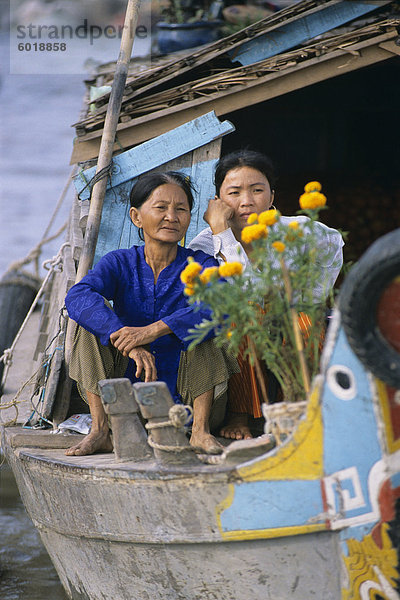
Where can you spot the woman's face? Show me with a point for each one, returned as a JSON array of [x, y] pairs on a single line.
[[164, 216], [245, 190]]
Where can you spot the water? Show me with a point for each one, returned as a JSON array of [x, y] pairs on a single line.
[[35, 148], [26, 572]]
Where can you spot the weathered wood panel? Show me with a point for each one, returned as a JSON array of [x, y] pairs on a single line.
[[76, 232], [322, 19], [287, 78], [168, 152], [158, 151]]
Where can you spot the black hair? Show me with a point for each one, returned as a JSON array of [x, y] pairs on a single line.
[[244, 158], [147, 183]]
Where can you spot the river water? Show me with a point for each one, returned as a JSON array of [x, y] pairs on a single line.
[[36, 113]]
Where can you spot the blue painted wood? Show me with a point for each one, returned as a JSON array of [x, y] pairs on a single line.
[[116, 228], [353, 456], [306, 27], [158, 151], [274, 504], [203, 177]]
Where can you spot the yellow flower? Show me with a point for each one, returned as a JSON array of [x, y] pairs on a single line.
[[229, 334], [294, 232], [207, 274], [279, 246], [313, 186], [253, 218], [190, 272], [254, 232], [268, 217], [189, 290], [312, 200], [230, 268]]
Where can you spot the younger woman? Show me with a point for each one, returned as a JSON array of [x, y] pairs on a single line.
[[245, 182]]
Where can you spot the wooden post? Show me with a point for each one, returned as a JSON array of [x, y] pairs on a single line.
[[129, 436], [108, 138], [105, 154], [169, 441]]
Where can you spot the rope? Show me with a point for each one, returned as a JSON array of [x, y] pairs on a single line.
[[34, 254], [179, 415], [276, 413], [166, 448], [51, 265], [46, 365], [104, 172], [14, 402]]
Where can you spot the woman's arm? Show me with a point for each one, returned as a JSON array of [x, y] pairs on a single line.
[[329, 258], [85, 300], [220, 243]]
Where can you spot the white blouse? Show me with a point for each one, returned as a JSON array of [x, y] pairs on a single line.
[[329, 255]]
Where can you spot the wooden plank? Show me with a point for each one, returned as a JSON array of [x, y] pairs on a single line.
[[117, 230], [151, 154], [51, 341], [116, 211], [61, 383], [157, 75], [391, 46], [41, 344], [29, 438], [85, 205], [204, 162], [269, 86], [275, 34], [76, 237], [320, 20], [21, 370]]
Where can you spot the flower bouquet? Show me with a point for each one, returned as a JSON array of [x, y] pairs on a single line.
[[270, 313]]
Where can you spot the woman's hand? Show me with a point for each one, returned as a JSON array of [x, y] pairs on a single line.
[[145, 361], [128, 338], [218, 215]]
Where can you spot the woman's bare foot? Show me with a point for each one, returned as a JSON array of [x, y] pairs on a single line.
[[237, 427], [95, 441], [205, 442]]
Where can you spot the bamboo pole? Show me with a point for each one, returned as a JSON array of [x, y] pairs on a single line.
[[108, 138], [105, 154]]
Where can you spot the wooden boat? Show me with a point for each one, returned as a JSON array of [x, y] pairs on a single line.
[[314, 516]]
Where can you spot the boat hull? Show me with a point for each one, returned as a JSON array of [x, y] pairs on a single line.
[[169, 545]]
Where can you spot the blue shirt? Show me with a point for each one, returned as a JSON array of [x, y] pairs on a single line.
[[124, 277]]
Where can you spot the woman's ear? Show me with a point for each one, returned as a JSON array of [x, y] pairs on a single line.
[[272, 198], [135, 217]]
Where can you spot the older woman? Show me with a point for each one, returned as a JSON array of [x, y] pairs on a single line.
[[244, 182], [150, 318]]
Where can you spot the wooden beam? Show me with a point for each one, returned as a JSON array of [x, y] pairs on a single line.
[[108, 138], [154, 152]]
